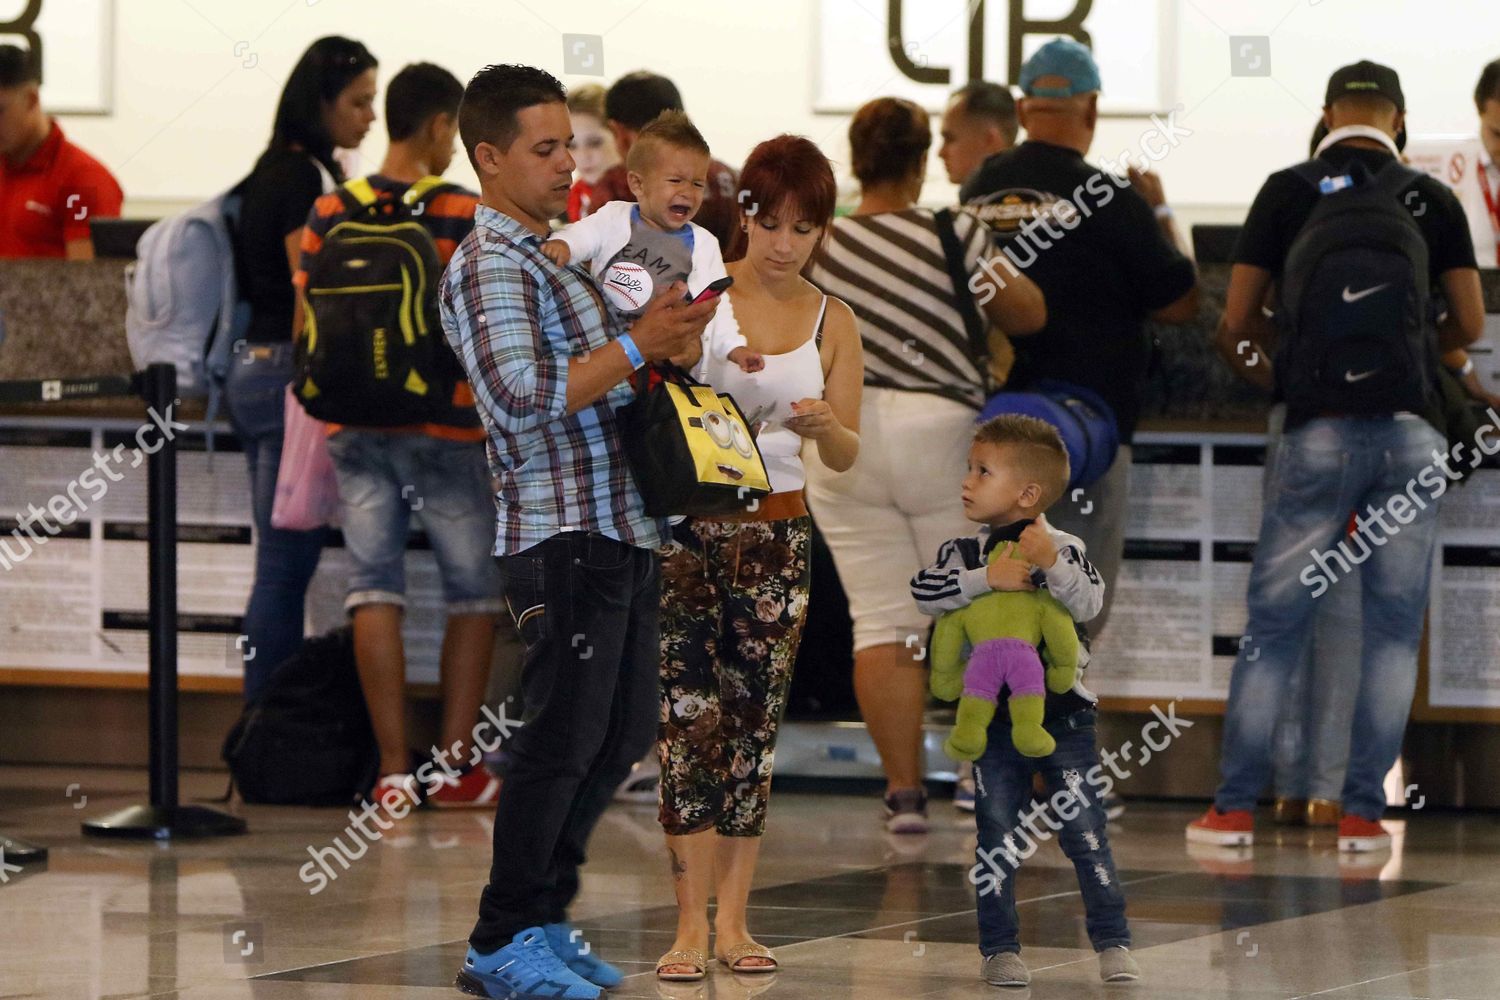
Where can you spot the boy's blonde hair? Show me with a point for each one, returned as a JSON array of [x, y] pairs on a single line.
[[587, 100], [1037, 448], [670, 128]]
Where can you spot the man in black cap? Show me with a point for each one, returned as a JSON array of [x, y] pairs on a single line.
[[1354, 244]]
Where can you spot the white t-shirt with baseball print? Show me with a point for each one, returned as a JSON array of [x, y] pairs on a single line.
[[633, 262]]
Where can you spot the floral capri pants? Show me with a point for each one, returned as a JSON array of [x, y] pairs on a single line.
[[733, 600]]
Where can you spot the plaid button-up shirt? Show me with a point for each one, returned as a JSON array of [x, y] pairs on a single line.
[[515, 318]]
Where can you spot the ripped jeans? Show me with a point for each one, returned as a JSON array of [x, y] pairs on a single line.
[[1002, 779]]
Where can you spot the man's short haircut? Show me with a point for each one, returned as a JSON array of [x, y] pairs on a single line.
[[989, 102], [415, 95], [1038, 449], [669, 129], [493, 98], [1489, 86], [18, 66], [1366, 105], [637, 98]]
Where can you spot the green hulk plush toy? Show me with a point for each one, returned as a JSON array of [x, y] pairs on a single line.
[[1003, 630]]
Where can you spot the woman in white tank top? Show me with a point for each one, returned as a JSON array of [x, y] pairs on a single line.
[[734, 590], [768, 397]]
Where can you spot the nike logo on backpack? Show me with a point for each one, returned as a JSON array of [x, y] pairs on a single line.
[[1351, 377], [1356, 296]]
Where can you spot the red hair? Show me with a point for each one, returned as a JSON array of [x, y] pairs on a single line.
[[786, 173]]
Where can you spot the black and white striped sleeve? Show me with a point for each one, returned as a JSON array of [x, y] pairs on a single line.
[[957, 577], [1073, 580]]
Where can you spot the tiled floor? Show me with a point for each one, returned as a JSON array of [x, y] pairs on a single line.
[[853, 913]]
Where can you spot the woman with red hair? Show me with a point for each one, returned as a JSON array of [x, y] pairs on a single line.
[[734, 589]]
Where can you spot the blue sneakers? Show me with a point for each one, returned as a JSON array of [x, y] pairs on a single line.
[[568, 944], [525, 969]]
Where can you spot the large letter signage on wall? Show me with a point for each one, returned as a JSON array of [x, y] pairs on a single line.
[[923, 49]]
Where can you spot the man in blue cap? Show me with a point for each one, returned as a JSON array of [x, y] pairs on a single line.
[[1102, 250]]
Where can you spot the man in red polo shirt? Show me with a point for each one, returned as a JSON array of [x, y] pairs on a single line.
[[49, 188]]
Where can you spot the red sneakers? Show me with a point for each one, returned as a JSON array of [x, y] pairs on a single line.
[[1224, 829], [1357, 834], [392, 790], [476, 788]]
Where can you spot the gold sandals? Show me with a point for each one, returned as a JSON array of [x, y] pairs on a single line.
[[682, 956], [748, 949]]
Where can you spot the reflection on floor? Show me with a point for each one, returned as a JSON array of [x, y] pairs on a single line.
[[852, 912]]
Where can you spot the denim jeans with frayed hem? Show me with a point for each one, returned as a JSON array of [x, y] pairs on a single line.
[[1002, 785], [387, 479]]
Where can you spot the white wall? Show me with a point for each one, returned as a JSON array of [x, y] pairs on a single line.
[[190, 116]]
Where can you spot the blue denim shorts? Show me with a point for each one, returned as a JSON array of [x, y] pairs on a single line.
[[384, 480]]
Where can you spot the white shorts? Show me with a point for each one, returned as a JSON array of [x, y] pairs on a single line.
[[887, 516]]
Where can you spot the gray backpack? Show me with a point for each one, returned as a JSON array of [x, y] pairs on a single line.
[[182, 299]]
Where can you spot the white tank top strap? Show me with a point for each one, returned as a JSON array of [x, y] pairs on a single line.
[[818, 329], [767, 396]]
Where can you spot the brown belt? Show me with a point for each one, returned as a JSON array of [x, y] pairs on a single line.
[[776, 507]]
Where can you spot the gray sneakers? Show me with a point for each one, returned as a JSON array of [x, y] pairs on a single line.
[[1005, 968], [1116, 966]]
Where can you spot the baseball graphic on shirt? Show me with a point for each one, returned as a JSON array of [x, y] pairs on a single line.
[[627, 286]]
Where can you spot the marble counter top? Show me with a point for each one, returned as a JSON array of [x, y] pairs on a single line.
[[68, 319]]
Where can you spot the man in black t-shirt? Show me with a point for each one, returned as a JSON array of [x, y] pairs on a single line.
[[1328, 463], [1103, 251]]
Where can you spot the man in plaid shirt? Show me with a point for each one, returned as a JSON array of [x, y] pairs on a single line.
[[576, 549]]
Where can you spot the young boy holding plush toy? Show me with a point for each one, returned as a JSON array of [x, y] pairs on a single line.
[[1010, 597]]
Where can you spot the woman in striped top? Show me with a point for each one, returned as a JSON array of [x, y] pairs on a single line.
[[885, 518]]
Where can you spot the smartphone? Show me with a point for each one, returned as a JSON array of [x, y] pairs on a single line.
[[713, 291]]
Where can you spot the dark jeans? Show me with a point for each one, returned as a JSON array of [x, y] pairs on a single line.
[[1002, 780], [255, 394], [586, 607]]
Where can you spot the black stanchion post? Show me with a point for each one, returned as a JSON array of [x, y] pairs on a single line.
[[163, 818], [14, 850], [161, 581]]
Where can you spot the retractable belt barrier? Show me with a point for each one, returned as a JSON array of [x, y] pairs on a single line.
[[163, 818]]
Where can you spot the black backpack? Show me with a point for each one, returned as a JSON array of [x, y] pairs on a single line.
[[1354, 312], [306, 738], [372, 352]]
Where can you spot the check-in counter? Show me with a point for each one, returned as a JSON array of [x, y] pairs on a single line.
[[72, 639]]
